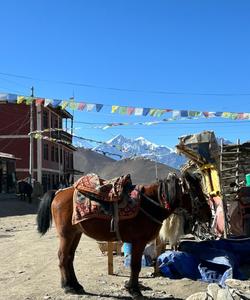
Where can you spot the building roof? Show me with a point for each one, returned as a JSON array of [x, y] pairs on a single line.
[[62, 112], [7, 155]]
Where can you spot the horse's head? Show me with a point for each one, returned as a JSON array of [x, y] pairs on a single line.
[[170, 192], [194, 200]]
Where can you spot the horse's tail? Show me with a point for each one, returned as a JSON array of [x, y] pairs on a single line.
[[44, 216]]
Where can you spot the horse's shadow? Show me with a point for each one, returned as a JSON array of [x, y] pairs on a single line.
[[94, 295], [123, 297]]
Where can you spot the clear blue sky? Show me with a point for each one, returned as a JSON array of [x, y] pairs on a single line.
[[192, 49]]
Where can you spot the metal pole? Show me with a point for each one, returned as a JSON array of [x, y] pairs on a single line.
[[31, 139], [156, 168]]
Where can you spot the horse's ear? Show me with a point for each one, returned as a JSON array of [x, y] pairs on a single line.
[[185, 183]]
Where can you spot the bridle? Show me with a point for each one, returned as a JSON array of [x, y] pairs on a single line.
[[163, 200], [196, 203], [163, 195]]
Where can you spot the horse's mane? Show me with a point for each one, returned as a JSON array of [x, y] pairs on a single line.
[[172, 188]]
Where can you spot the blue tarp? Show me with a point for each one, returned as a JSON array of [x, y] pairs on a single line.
[[146, 261], [209, 261], [177, 264]]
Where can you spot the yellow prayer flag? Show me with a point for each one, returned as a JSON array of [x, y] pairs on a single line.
[[20, 99], [114, 108], [64, 104]]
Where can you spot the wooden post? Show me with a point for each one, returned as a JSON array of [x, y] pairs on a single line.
[[118, 249], [158, 246], [110, 259], [237, 164]]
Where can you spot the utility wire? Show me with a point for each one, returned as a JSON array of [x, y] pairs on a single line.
[[126, 89], [25, 122], [15, 82], [16, 121], [167, 122]]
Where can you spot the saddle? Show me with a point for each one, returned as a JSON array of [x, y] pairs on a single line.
[[95, 197], [101, 189]]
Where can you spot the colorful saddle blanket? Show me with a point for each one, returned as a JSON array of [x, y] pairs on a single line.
[[105, 190], [86, 206]]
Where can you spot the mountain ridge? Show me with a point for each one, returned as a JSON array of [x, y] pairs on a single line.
[[142, 170], [141, 147]]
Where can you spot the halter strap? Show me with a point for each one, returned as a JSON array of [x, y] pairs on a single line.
[[160, 195], [163, 195]]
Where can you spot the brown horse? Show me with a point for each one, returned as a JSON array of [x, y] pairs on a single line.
[[25, 189], [158, 201]]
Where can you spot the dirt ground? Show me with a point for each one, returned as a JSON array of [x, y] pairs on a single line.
[[29, 264]]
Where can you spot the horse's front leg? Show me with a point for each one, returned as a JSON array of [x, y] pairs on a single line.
[[133, 284]]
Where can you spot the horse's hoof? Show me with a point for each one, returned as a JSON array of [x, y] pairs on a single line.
[[74, 290], [138, 297], [134, 292]]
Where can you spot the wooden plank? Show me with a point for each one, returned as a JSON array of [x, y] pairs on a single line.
[[110, 259], [229, 177], [229, 169], [226, 153], [229, 161]]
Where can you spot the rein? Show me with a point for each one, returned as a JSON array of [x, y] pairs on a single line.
[[161, 194], [150, 216]]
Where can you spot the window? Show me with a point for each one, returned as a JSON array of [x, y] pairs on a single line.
[[52, 153], [71, 160], [60, 123], [56, 123], [67, 160], [51, 121], [53, 181], [56, 154], [57, 181], [44, 182], [49, 182], [45, 151], [45, 120], [61, 156]]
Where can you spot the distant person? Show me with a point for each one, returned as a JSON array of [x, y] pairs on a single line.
[[62, 184], [217, 204]]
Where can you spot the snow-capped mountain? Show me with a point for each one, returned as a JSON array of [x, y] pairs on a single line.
[[82, 143], [223, 141], [121, 147]]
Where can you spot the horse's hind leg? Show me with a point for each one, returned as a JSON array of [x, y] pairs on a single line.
[[66, 253], [133, 285], [74, 245]]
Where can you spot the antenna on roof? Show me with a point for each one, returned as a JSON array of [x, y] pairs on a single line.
[[156, 168], [31, 138]]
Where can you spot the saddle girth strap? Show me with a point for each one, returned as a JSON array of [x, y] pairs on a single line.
[[114, 224]]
